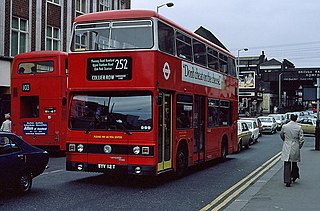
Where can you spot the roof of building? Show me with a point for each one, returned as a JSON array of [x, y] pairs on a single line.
[[205, 33], [271, 62]]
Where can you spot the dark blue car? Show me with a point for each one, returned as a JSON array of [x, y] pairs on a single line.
[[19, 162]]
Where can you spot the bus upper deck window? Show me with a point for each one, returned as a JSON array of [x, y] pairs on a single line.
[[36, 67], [21, 70], [166, 38]]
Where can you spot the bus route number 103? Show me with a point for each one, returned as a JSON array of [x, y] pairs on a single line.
[[26, 87]]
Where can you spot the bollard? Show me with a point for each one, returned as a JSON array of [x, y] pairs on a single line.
[[317, 136]]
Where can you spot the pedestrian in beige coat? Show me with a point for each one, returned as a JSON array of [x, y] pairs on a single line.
[[292, 136]]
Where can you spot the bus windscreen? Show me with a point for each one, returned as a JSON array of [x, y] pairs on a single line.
[[112, 113], [113, 35]]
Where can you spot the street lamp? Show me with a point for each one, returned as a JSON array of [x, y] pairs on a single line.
[[317, 139], [238, 59], [238, 72], [280, 90], [169, 4]]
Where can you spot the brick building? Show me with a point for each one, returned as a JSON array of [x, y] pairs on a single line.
[[32, 25]]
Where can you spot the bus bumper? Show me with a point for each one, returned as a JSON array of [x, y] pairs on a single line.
[[111, 168]]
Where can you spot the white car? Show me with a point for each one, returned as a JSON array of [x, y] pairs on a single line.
[[244, 136], [269, 124], [253, 127], [280, 119]]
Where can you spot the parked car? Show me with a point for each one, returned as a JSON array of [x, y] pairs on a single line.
[[269, 124], [19, 162], [253, 128], [258, 122], [308, 125], [280, 119], [244, 136]]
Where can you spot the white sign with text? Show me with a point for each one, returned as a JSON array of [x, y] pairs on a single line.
[[199, 75]]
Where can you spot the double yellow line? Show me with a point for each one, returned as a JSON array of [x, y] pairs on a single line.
[[250, 179]]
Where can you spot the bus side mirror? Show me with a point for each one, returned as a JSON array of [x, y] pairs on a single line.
[[64, 101], [159, 100]]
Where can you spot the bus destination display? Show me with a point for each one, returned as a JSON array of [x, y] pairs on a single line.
[[107, 69]]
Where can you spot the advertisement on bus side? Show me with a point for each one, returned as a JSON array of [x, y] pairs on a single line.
[[35, 128]]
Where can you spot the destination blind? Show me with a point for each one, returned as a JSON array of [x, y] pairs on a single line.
[[107, 69]]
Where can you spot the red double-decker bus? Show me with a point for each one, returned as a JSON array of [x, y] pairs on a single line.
[[38, 98], [147, 96]]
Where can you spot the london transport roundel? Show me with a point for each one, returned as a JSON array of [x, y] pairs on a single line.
[[166, 71]]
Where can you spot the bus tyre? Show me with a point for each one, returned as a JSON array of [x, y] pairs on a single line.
[[181, 162], [24, 182], [224, 151]]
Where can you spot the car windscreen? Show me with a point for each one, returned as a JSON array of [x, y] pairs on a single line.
[[265, 119], [249, 124]]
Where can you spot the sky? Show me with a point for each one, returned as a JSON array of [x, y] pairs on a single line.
[[283, 29]]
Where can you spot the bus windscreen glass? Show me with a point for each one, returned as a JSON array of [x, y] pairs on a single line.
[[113, 35], [111, 112]]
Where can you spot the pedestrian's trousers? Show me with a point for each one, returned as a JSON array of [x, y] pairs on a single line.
[[291, 170]]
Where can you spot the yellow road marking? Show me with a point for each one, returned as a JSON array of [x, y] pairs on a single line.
[[260, 169]]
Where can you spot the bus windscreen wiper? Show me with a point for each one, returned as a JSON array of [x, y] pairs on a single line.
[[119, 122], [89, 127]]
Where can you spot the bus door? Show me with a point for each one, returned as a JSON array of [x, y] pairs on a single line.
[[199, 128], [165, 132]]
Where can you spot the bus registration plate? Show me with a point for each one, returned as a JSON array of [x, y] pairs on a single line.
[[106, 166]]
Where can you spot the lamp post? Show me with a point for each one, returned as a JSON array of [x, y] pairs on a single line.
[[238, 72], [317, 138], [279, 105], [169, 4]]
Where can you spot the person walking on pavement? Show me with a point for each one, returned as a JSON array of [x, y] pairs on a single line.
[[6, 125], [292, 136]]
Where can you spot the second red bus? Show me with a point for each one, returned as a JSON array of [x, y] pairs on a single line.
[[38, 98]]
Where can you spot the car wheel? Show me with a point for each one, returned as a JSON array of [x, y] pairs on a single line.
[[248, 144], [240, 146], [24, 182]]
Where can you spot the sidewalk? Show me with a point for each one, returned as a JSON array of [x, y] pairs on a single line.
[[270, 193]]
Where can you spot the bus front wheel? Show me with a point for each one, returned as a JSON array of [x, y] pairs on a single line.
[[224, 151], [182, 161]]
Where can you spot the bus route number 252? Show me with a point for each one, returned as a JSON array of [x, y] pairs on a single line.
[[121, 64]]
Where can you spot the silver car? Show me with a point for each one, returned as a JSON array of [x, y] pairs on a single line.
[[252, 125], [280, 119], [269, 124]]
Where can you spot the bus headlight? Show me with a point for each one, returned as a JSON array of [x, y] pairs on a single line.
[[136, 150], [72, 147], [80, 148], [107, 149], [80, 167], [145, 150], [137, 170]]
